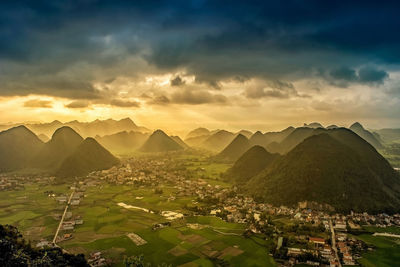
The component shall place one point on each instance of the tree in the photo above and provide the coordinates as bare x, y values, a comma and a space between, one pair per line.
134, 261
16, 251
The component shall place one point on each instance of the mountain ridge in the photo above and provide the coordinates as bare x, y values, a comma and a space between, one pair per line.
326, 170
159, 141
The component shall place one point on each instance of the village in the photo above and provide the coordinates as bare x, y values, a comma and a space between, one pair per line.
304, 234
336, 249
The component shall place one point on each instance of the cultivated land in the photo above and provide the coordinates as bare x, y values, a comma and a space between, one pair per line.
196, 240
106, 225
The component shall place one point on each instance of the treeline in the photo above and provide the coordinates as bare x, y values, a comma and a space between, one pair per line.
16, 251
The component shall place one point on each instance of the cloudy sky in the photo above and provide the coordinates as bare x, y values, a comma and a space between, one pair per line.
177, 65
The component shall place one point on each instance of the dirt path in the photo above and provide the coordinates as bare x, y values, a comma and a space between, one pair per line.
63, 216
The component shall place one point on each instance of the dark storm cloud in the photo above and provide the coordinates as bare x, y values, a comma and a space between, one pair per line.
159, 100
213, 40
78, 104
344, 73
372, 75
177, 81
194, 97
124, 103
113, 102
187, 96
365, 75
275, 89
36, 103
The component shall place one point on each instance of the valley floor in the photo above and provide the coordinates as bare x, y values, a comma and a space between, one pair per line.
168, 217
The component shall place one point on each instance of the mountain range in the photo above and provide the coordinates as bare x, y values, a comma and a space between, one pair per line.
85, 129
251, 163
239, 145
63, 143
281, 142
297, 135
64, 154
18, 145
123, 142
366, 135
87, 157
161, 142
335, 167
217, 141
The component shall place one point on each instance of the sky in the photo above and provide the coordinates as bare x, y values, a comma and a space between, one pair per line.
178, 65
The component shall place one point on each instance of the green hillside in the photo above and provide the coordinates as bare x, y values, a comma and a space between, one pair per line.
63, 142
251, 163
17, 147
366, 135
293, 139
89, 156
235, 149
326, 170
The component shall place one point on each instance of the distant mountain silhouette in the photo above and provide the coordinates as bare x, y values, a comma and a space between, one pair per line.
245, 133
251, 163
63, 142
335, 167
366, 135
196, 141
92, 129
278, 136
179, 141
123, 142
259, 139
197, 132
333, 126
21, 149
217, 141
293, 139
17, 147
389, 135
301, 133
89, 156
160, 142
235, 149
313, 125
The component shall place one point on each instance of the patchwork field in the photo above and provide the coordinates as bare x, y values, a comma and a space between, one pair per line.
32, 210
207, 168
385, 254
193, 241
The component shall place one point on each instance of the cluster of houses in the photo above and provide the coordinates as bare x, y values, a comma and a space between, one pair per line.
139, 172
231, 206
10, 184
70, 220
17, 182
96, 260
380, 220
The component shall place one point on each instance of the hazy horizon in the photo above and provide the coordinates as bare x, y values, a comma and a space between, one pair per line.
184, 131
179, 66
